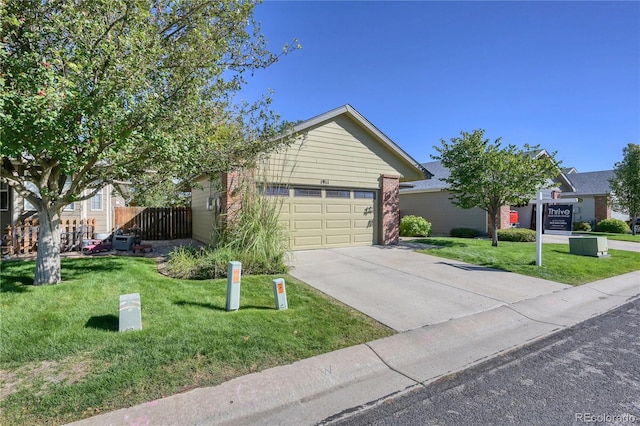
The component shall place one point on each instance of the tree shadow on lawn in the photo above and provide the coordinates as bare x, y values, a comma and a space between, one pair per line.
435, 244
218, 308
104, 322
73, 269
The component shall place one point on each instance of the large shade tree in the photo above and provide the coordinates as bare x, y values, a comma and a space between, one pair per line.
489, 176
625, 184
98, 91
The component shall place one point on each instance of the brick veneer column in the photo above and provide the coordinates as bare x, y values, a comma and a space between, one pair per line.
230, 203
390, 209
602, 209
504, 219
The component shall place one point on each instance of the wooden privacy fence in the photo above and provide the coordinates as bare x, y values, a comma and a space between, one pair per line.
156, 223
22, 238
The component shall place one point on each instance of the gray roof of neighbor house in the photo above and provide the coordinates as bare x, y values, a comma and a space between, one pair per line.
441, 172
438, 171
590, 183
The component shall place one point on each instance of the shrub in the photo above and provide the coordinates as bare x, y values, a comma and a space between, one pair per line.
615, 226
464, 233
582, 226
521, 235
414, 226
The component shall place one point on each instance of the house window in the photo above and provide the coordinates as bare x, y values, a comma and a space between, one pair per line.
69, 207
364, 194
307, 192
4, 197
282, 191
338, 193
96, 201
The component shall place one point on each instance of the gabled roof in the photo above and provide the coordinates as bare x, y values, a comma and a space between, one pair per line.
590, 183
359, 118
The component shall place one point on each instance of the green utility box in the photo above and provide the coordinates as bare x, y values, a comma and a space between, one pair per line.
589, 246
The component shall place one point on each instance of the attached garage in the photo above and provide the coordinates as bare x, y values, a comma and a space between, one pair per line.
326, 217
338, 182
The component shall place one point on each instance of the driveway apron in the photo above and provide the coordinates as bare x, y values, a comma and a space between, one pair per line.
406, 290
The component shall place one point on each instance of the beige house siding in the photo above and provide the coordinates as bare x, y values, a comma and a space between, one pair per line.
443, 215
203, 218
338, 153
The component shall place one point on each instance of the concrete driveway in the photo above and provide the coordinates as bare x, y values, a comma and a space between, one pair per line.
406, 290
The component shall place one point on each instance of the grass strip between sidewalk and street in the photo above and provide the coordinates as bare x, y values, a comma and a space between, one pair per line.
557, 263
63, 359
610, 236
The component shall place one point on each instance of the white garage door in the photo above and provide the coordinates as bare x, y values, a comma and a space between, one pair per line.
322, 218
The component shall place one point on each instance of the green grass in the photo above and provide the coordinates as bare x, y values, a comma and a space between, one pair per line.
557, 263
62, 359
610, 236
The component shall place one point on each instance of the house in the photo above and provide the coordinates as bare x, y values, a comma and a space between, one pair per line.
338, 183
101, 207
430, 199
592, 189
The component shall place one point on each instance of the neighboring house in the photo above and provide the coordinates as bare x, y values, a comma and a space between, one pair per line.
338, 182
430, 199
14, 208
592, 189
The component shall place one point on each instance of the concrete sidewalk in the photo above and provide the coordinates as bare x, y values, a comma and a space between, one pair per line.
492, 312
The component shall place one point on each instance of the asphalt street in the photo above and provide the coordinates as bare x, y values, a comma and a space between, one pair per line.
586, 374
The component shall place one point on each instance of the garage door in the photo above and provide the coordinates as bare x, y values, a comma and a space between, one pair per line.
322, 218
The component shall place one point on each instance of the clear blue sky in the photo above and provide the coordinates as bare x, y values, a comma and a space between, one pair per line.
565, 75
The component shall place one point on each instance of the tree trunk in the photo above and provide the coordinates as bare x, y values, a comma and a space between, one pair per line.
48, 255
494, 226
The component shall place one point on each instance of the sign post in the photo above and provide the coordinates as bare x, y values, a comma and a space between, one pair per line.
540, 202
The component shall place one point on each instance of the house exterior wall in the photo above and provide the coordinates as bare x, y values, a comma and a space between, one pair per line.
79, 210
338, 153
443, 215
204, 206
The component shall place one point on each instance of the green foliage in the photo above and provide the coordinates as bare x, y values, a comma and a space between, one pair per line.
414, 226
488, 176
101, 92
582, 226
625, 185
254, 230
208, 263
520, 235
464, 233
615, 226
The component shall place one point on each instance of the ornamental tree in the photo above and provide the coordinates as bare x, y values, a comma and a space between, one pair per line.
96, 92
625, 184
488, 176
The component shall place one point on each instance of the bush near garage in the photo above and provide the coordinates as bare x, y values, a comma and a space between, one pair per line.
615, 226
464, 233
582, 226
518, 235
414, 226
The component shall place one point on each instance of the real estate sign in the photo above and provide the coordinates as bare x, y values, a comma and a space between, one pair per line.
558, 218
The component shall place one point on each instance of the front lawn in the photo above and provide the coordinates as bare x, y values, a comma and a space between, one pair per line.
62, 358
557, 263
610, 236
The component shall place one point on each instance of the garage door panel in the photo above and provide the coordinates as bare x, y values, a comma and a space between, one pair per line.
362, 238
307, 224
307, 208
338, 208
363, 224
338, 224
302, 242
338, 239
363, 209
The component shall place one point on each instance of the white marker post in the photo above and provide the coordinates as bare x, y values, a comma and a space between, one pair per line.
539, 202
